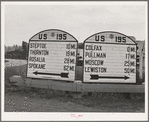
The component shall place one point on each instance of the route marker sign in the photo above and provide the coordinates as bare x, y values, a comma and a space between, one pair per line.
109, 57
52, 55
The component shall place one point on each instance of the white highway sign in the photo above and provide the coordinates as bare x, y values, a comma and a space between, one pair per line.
52, 55
109, 57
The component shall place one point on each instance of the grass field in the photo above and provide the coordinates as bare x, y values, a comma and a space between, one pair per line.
40, 100
46, 100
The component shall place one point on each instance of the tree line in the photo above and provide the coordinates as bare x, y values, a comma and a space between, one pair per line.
17, 52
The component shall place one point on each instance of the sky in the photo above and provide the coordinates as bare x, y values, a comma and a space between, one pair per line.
22, 21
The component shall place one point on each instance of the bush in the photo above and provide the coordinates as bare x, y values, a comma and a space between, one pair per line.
138, 79
16, 70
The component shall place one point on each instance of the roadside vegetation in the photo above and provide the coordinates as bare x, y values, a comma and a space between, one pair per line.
17, 52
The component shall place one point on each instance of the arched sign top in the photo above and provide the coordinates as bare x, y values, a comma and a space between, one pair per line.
53, 35
110, 37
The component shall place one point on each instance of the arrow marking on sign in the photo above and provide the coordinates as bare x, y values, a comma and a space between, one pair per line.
65, 75
96, 77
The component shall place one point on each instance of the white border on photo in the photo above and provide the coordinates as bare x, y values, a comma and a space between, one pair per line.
67, 116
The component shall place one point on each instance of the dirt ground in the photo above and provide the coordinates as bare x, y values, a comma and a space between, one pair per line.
37, 100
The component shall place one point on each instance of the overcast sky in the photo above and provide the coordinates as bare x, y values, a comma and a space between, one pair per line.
81, 20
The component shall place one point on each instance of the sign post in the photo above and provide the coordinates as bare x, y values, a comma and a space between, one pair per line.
109, 57
52, 55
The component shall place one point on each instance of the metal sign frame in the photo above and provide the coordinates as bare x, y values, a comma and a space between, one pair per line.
54, 41
108, 43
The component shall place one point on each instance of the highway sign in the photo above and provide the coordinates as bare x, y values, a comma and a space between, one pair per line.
52, 55
109, 57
